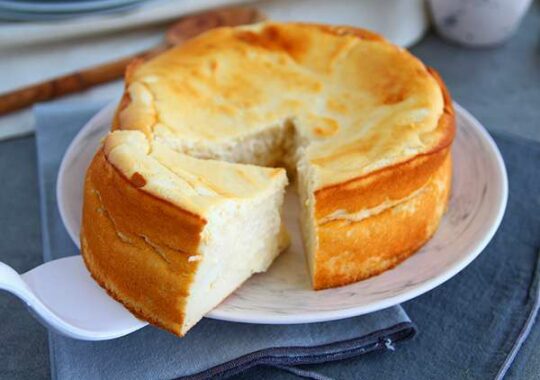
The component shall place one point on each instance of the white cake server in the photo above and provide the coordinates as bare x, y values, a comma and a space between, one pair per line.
63, 295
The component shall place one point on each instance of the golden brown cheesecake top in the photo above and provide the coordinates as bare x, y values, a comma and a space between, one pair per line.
194, 184
357, 104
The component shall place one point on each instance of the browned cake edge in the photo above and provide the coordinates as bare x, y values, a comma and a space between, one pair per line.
353, 251
344, 247
137, 246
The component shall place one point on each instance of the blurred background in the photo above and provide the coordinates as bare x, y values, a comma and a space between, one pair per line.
40, 40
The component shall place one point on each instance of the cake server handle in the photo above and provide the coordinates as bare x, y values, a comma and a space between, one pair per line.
12, 282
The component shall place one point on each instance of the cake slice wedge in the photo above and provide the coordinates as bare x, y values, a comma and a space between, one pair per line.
170, 236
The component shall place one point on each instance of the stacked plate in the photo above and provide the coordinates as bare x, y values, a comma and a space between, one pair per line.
36, 10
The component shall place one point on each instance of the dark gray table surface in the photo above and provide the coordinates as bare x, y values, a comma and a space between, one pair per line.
501, 87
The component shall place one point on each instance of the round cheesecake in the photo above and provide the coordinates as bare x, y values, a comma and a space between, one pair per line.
183, 200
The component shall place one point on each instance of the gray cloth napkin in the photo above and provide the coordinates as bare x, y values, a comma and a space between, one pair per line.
212, 348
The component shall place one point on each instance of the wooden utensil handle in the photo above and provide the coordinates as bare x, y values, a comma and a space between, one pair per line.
70, 83
186, 28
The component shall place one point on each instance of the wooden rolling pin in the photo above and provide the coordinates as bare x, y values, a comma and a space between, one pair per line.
184, 29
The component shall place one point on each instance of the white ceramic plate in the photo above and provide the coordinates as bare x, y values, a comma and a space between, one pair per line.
284, 295
62, 6
11, 10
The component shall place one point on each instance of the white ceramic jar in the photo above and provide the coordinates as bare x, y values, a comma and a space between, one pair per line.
404, 22
478, 23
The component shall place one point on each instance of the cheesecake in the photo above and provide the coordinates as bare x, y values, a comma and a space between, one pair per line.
182, 201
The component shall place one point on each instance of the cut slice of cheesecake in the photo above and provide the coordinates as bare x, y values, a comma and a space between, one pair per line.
169, 235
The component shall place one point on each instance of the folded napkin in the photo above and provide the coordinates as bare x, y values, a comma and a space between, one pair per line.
212, 348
